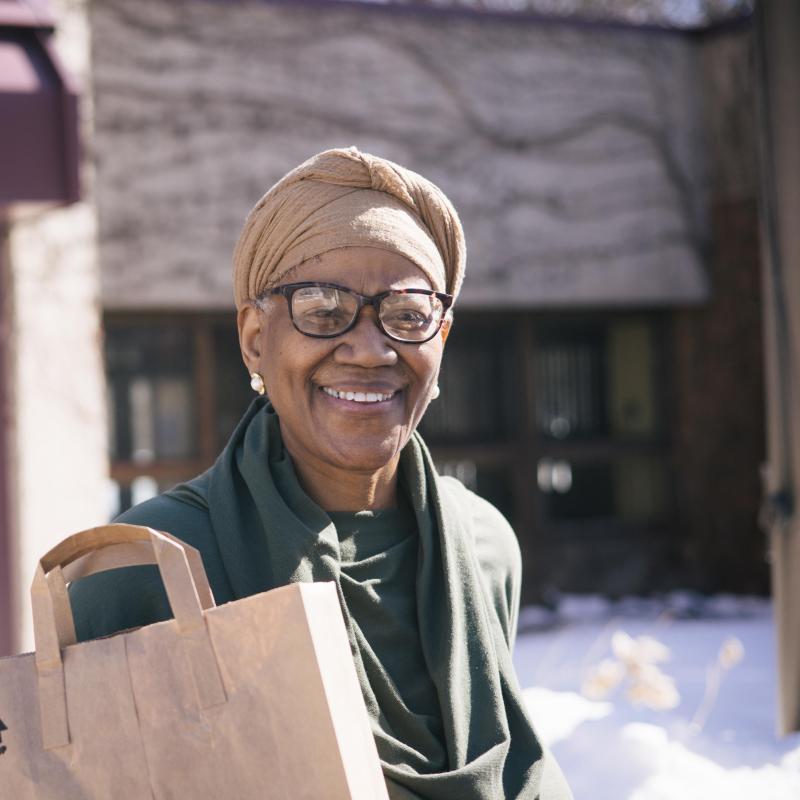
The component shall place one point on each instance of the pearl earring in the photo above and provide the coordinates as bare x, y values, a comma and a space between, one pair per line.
257, 383
436, 392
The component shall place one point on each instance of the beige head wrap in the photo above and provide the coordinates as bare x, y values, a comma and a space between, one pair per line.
345, 198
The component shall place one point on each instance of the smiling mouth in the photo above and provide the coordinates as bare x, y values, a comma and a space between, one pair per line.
359, 397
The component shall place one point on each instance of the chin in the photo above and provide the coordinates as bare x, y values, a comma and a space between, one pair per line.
367, 456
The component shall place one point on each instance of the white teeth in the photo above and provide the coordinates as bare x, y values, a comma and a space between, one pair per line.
358, 397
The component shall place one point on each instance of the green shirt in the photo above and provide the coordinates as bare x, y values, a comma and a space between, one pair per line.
379, 575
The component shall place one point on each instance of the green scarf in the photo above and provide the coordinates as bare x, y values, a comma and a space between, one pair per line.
269, 534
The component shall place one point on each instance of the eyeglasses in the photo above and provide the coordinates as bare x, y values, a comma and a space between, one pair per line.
325, 310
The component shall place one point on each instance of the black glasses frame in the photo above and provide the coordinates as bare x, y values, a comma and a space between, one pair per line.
375, 300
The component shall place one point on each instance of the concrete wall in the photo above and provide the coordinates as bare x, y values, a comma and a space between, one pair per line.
573, 154
59, 463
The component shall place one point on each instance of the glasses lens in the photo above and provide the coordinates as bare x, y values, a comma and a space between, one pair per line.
323, 310
411, 317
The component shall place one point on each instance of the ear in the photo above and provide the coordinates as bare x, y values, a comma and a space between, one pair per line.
249, 321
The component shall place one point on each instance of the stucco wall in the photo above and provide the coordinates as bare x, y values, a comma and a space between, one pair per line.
58, 439
573, 154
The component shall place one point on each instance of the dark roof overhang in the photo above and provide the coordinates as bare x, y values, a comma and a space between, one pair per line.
38, 110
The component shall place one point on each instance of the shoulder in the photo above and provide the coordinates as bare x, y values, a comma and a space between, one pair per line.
497, 552
112, 601
496, 544
181, 511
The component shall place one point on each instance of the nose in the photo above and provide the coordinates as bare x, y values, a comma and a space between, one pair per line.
365, 345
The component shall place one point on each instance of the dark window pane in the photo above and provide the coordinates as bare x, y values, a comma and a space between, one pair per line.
232, 392
578, 491
641, 487
569, 371
172, 420
628, 488
492, 482
151, 392
631, 397
596, 380
478, 381
145, 347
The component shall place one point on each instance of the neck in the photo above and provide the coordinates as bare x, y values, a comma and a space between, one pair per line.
336, 489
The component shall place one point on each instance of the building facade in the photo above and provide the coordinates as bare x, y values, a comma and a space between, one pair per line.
602, 383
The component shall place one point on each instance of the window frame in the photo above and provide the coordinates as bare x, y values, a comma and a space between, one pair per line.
201, 326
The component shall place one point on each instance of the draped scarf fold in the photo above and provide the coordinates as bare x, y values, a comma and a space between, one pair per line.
267, 539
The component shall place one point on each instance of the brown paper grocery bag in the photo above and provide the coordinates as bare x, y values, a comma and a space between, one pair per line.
257, 698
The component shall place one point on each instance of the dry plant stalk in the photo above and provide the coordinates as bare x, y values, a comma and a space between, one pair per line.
730, 654
636, 660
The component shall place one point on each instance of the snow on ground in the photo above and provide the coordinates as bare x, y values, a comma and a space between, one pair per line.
610, 749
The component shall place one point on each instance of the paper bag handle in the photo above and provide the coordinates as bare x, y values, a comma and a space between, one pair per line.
120, 545
97, 550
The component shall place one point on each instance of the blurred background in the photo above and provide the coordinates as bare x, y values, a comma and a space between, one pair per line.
604, 384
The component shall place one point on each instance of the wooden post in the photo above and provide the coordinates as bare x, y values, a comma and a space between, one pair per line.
779, 106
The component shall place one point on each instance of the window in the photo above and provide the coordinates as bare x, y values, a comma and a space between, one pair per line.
472, 428
177, 387
598, 421
556, 419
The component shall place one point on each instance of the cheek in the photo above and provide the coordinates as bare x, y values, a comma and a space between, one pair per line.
433, 360
426, 368
275, 349
288, 364
279, 373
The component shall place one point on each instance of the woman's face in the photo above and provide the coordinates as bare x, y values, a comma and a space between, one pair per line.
302, 374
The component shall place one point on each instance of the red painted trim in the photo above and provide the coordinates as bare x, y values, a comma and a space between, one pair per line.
69, 128
40, 149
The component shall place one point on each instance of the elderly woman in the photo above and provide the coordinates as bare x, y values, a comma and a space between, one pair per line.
344, 279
